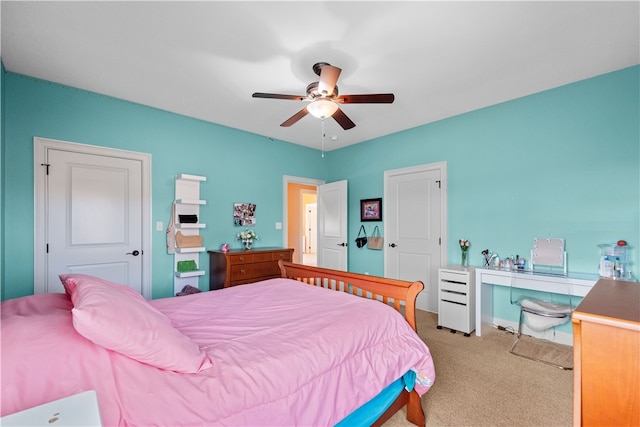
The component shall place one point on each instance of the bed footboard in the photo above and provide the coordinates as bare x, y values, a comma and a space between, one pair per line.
398, 293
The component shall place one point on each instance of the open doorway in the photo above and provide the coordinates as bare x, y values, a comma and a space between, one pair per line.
301, 225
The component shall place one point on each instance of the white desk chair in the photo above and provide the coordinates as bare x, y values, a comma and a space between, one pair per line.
540, 315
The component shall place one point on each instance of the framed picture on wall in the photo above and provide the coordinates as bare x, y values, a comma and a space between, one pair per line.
244, 214
371, 209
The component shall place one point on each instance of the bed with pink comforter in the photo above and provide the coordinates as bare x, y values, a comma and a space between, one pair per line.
277, 352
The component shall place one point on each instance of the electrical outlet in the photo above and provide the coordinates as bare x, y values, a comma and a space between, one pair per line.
278, 226
159, 226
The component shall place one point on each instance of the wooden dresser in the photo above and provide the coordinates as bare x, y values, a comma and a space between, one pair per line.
240, 266
606, 352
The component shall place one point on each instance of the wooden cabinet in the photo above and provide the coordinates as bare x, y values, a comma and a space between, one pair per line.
606, 352
456, 299
239, 266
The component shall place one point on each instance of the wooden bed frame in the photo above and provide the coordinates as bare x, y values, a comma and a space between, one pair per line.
398, 293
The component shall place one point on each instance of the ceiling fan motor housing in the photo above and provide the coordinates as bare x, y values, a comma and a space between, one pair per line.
317, 67
313, 93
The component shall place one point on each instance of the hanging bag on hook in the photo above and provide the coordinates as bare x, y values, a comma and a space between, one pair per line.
361, 241
376, 240
171, 231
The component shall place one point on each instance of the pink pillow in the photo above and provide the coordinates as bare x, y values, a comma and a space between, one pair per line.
120, 319
70, 281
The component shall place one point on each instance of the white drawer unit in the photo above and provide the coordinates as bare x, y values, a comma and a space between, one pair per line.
457, 299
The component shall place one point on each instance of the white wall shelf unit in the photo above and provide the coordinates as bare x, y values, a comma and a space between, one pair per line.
183, 274
188, 202
191, 202
190, 250
187, 177
189, 226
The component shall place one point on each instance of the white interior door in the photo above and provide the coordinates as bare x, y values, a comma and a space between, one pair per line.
311, 232
414, 229
332, 225
93, 221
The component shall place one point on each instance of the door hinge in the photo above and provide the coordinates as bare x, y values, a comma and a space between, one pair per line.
47, 166
440, 241
47, 248
438, 181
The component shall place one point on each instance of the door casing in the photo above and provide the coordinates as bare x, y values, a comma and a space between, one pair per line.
286, 180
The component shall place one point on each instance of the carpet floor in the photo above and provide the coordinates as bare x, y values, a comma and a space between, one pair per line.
479, 383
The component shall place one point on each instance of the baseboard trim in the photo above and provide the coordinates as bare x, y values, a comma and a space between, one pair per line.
558, 337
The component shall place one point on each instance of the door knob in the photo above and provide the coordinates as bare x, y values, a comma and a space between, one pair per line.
134, 253
392, 245
342, 244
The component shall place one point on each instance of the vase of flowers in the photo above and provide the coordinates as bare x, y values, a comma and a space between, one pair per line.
247, 237
464, 247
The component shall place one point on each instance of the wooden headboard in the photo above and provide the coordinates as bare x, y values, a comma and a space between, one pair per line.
397, 293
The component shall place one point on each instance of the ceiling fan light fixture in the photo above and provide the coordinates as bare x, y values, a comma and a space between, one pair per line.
322, 108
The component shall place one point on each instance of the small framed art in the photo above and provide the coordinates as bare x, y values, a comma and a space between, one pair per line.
244, 214
371, 209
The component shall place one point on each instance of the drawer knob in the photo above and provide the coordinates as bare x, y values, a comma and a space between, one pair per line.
243, 271
241, 258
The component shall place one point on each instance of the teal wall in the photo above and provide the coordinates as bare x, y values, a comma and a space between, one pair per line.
239, 166
583, 138
560, 163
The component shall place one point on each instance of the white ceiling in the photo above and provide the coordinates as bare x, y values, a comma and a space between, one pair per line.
205, 59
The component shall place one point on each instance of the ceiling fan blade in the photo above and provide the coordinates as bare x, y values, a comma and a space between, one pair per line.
297, 116
328, 79
343, 120
372, 98
279, 96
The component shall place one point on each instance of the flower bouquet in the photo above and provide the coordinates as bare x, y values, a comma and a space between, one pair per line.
464, 246
247, 237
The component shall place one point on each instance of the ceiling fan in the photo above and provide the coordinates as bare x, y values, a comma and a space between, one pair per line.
324, 99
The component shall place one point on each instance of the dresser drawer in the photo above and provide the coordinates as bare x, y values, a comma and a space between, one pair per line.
462, 288
255, 270
284, 256
453, 276
263, 257
454, 316
242, 258
454, 297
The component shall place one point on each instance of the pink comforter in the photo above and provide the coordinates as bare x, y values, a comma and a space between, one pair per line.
284, 353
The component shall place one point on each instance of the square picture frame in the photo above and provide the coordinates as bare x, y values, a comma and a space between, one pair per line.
244, 214
371, 209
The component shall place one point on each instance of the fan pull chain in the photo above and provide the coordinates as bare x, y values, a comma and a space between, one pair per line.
323, 135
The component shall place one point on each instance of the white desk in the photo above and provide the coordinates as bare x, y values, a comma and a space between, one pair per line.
578, 284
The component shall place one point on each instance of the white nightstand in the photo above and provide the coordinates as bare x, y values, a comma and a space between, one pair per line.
78, 410
457, 299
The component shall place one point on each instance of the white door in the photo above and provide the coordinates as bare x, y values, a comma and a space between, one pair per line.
93, 219
311, 233
414, 228
332, 225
